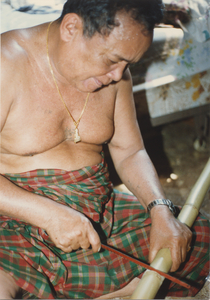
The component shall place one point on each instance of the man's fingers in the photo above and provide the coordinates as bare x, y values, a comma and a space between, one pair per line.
152, 253
178, 256
94, 240
85, 244
67, 249
184, 254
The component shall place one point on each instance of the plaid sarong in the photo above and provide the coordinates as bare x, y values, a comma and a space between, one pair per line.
45, 271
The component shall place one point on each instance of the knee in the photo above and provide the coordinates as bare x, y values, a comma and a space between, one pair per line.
8, 288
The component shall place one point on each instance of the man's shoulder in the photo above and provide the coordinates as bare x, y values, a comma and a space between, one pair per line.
12, 50
18, 47
13, 59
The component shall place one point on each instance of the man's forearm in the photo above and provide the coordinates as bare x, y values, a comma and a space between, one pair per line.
16, 202
139, 175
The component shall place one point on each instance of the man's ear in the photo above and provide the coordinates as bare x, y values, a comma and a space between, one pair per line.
70, 25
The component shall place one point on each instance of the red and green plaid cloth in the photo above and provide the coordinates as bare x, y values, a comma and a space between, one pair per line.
45, 271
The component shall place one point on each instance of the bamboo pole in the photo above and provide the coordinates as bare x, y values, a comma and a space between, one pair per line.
151, 281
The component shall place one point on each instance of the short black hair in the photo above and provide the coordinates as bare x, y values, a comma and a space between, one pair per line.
99, 15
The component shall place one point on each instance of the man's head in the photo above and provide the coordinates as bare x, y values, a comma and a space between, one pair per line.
98, 39
99, 16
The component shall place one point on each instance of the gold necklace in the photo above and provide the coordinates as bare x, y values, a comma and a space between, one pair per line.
77, 137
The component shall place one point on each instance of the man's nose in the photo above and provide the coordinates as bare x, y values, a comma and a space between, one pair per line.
117, 72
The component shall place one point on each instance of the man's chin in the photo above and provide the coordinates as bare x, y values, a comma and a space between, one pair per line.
104, 86
90, 88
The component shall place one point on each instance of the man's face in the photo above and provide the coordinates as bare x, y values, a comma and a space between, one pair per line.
100, 60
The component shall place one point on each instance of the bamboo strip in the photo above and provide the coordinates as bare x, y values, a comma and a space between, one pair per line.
194, 201
151, 281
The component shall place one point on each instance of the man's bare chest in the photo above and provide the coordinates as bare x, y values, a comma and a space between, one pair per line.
38, 120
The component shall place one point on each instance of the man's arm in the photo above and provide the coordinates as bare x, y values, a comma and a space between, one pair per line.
138, 173
67, 228
7, 86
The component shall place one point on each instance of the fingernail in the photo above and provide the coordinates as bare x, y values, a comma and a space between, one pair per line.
99, 249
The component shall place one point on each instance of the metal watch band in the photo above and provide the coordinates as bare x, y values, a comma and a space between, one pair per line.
162, 202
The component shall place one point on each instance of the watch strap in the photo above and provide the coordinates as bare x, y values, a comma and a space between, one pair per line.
166, 202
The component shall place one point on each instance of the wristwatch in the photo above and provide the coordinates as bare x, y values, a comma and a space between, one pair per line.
167, 202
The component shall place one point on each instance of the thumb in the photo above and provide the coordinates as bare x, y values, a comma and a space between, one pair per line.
152, 253
94, 239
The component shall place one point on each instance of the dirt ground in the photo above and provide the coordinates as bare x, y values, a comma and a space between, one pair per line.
178, 164
182, 164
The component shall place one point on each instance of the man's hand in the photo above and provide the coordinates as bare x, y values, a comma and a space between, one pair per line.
168, 232
70, 230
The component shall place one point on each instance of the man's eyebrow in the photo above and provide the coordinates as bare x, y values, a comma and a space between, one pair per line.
122, 58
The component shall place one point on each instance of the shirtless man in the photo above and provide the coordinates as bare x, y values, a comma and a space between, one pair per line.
37, 131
